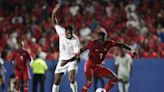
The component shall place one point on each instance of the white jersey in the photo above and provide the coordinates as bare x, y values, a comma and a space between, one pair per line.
124, 66
67, 47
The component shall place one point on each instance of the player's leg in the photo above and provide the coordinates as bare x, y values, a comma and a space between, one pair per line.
126, 86
87, 84
72, 71
59, 72
120, 86
88, 75
2, 83
25, 86
18, 78
17, 85
113, 79
26, 77
56, 85
71, 77
95, 78
104, 72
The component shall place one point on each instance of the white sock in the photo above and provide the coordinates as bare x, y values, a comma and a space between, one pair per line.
126, 87
55, 88
120, 86
74, 86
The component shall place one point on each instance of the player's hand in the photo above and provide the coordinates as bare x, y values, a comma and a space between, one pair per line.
135, 54
56, 8
64, 62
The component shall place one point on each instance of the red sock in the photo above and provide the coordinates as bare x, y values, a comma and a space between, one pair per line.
85, 88
25, 88
110, 84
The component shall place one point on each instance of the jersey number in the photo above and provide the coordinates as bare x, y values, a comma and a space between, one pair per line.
101, 55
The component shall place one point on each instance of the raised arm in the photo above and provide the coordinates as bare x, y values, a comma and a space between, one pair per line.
53, 16
126, 47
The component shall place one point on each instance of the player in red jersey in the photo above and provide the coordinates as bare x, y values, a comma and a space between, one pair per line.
97, 53
21, 59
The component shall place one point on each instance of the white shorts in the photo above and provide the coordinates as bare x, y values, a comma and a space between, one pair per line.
123, 76
68, 67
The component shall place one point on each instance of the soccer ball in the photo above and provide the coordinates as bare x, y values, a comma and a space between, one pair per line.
100, 90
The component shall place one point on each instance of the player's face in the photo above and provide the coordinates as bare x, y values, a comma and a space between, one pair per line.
101, 38
69, 34
21, 45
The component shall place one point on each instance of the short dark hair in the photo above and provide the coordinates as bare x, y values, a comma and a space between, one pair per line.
69, 28
102, 34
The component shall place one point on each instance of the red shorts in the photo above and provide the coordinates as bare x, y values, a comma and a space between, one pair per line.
99, 70
22, 74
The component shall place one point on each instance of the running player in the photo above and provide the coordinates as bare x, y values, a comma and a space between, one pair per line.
69, 48
21, 59
98, 50
123, 62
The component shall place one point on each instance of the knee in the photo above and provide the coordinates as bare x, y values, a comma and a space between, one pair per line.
57, 80
87, 85
115, 79
71, 79
26, 83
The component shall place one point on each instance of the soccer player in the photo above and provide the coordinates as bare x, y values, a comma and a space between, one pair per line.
69, 48
123, 62
98, 50
21, 59
2, 74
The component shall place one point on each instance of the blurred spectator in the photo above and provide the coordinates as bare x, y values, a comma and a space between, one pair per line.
123, 62
39, 68
32, 19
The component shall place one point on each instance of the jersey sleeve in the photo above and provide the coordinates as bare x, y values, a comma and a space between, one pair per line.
90, 44
76, 46
59, 29
129, 59
28, 57
113, 43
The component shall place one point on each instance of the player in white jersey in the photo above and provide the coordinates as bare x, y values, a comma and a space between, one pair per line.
69, 48
123, 62
2, 74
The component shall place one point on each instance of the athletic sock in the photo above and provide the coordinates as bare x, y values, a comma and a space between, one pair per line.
25, 88
110, 84
86, 87
55, 88
73, 86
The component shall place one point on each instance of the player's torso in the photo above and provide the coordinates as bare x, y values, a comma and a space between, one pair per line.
123, 63
20, 58
66, 47
98, 52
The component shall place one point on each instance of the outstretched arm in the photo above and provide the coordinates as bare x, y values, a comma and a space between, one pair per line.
76, 57
83, 49
126, 47
53, 17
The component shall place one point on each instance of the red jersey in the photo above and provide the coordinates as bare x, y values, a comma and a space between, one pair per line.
98, 51
21, 58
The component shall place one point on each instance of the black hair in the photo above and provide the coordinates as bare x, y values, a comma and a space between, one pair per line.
70, 28
102, 34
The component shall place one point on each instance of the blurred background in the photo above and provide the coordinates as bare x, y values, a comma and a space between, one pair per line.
137, 23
